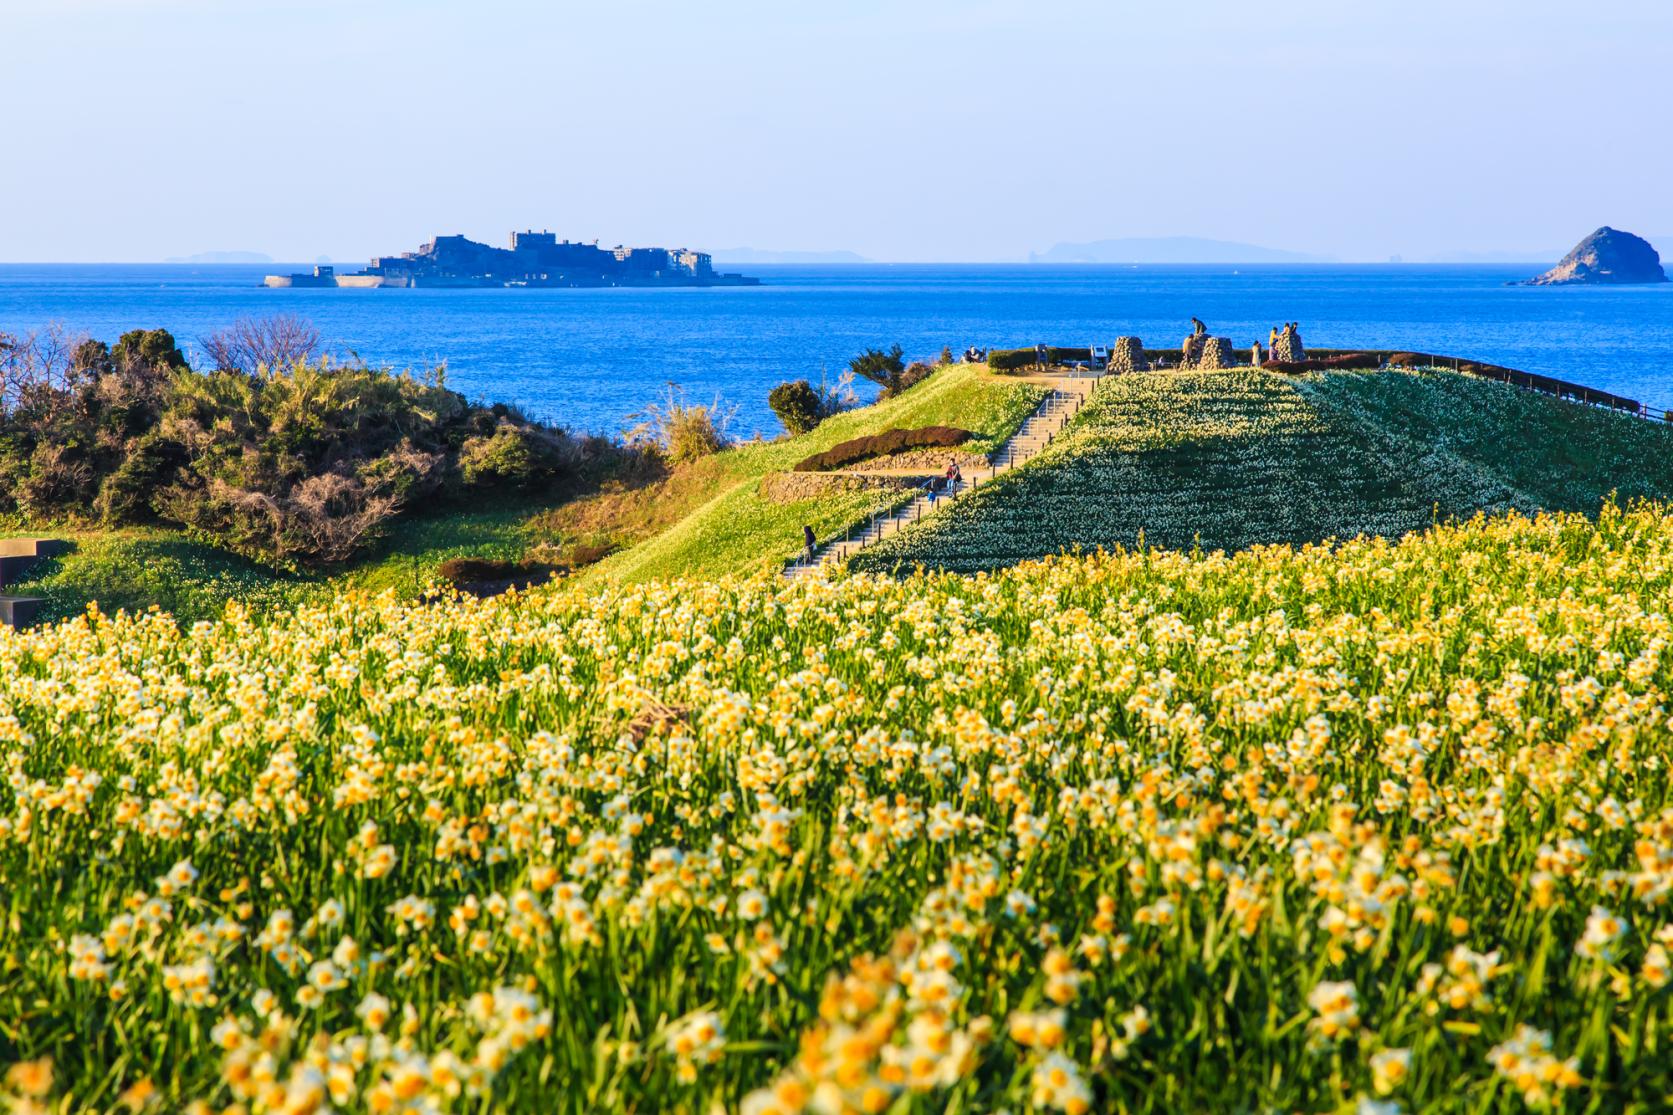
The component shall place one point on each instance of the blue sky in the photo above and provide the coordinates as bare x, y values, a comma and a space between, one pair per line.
140, 129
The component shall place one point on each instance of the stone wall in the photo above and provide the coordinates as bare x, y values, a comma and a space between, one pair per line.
1127, 355
930, 461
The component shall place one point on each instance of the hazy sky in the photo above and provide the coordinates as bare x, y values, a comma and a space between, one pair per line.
903, 130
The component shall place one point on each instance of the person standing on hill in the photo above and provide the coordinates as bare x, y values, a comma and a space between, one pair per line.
809, 542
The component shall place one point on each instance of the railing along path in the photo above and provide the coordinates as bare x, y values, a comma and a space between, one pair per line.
1035, 433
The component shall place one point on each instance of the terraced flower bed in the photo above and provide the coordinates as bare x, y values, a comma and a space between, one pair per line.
1227, 460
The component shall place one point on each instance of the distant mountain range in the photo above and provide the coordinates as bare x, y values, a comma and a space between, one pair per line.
1169, 249
222, 257
763, 255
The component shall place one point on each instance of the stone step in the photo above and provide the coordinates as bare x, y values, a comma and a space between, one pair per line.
33, 547
19, 611
1034, 434
18, 555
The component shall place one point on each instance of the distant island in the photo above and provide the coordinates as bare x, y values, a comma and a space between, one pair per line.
1606, 256
1168, 249
534, 259
764, 255
222, 257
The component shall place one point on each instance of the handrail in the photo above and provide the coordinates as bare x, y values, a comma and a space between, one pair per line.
1541, 384
1059, 404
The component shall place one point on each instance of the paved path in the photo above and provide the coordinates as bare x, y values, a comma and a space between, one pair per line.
1067, 395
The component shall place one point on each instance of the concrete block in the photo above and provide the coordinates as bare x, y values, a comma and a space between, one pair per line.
19, 611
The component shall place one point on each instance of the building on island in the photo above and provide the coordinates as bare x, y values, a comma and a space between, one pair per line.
532, 259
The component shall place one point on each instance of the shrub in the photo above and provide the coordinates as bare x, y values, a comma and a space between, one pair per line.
1316, 364
250, 345
916, 372
58, 477
888, 370
695, 433
881, 368
879, 445
459, 570
517, 456
319, 519
797, 406
681, 430
149, 348
125, 495
1015, 359
407, 472
1010, 359
300, 464
485, 576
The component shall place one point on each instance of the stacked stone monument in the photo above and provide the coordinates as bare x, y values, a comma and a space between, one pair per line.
1127, 355
1216, 353
1287, 347
1202, 352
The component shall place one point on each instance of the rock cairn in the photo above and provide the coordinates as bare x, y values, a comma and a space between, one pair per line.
1200, 352
1127, 355
1216, 353
1286, 345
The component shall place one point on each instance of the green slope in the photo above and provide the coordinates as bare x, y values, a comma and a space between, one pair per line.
1227, 460
738, 530
720, 522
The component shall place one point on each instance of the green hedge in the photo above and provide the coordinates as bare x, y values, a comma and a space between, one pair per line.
1012, 359
1009, 359
879, 445
1316, 363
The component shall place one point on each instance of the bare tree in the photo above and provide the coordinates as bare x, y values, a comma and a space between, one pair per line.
250, 345
34, 360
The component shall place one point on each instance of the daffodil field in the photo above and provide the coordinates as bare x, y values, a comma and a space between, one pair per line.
1378, 827
1229, 459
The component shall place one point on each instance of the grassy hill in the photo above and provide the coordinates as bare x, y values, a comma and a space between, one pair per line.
726, 525
707, 516
1221, 460
1227, 460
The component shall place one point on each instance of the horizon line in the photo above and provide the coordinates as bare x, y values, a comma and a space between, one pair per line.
1384, 262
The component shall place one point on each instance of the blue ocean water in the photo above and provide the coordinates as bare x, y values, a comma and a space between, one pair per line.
589, 358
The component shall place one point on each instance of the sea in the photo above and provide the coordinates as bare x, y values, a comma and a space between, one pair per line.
591, 359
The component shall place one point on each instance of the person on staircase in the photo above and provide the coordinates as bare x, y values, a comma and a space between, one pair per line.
809, 542
953, 477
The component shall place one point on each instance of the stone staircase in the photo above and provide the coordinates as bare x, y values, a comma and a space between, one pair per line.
1067, 396
17, 555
